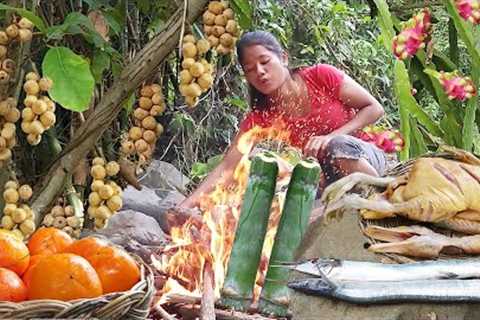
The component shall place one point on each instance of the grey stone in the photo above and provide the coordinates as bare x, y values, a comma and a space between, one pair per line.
344, 240
151, 202
161, 175
163, 187
134, 231
129, 225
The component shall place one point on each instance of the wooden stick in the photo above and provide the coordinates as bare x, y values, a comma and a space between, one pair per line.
174, 298
164, 314
207, 308
192, 311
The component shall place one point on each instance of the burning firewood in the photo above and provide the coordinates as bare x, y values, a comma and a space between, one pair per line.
207, 310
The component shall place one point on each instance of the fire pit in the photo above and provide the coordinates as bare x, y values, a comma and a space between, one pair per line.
193, 268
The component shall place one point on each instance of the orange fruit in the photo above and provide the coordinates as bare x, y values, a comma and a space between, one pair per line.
87, 246
117, 270
12, 287
14, 253
49, 241
28, 273
63, 276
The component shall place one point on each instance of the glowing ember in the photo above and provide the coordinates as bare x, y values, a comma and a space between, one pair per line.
211, 239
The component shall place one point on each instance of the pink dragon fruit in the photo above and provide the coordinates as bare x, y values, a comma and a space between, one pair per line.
387, 140
367, 134
456, 86
414, 35
469, 10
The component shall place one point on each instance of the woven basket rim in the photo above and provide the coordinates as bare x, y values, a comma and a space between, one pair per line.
132, 304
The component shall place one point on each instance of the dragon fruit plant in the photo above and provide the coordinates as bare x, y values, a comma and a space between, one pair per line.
414, 35
469, 10
450, 98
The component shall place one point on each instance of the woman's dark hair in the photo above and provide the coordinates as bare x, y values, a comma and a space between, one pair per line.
258, 101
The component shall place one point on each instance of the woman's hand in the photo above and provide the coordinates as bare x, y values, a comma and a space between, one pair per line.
316, 145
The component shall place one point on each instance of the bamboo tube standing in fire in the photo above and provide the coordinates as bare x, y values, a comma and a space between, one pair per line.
237, 292
275, 295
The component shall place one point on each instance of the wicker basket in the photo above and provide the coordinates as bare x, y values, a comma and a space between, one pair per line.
132, 304
398, 170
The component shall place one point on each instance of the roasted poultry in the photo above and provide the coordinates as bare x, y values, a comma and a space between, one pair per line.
442, 191
417, 241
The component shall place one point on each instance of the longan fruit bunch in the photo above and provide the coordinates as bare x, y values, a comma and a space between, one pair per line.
18, 216
22, 30
146, 130
9, 114
105, 198
63, 217
7, 68
39, 112
220, 26
197, 74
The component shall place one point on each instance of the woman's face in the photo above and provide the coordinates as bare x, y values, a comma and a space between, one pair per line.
263, 68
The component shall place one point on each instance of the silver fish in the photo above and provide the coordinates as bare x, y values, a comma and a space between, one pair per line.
397, 291
345, 270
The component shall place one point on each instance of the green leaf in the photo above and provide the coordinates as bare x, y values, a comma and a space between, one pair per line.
244, 12
440, 96
77, 23
476, 140
469, 119
237, 102
408, 107
144, 6
128, 103
199, 170
182, 122
100, 63
117, 68
73, 82
113, 21
36, 20
405, 99
386, 23
418, 146
465, 33
453, 41
443, 62
468, 123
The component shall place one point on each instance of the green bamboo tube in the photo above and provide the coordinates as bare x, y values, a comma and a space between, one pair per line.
237, 291
302, 189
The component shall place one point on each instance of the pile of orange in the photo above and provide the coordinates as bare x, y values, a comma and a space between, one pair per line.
54, 266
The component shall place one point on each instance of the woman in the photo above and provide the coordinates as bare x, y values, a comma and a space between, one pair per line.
321, 106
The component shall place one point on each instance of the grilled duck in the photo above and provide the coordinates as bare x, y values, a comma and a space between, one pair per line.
442, 191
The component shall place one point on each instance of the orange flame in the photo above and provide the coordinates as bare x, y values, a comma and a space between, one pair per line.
211, 239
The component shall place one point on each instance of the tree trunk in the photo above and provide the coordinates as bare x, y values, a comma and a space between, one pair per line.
145, 64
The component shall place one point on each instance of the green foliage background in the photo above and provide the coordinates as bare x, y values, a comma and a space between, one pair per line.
312, 31
347, 34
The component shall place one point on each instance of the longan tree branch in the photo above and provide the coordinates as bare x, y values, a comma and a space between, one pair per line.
144, 65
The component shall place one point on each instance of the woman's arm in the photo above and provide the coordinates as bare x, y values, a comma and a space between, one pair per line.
224, 170
354, 96
369, 110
